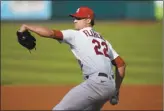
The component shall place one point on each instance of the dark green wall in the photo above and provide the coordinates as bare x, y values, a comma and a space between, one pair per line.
106, 9
140, 10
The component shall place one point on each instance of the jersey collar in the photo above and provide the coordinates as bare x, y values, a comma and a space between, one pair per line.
86, 28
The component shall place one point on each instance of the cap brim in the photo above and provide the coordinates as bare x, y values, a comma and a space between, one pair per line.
76, 15
71, 15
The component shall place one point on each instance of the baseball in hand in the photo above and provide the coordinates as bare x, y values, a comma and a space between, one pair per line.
115, 98
114, 101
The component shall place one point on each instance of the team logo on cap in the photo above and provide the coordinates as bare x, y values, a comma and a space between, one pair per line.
77, 10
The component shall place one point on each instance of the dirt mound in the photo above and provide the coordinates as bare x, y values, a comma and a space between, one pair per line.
46, 97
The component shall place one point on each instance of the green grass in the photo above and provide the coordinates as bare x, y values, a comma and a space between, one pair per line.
53, 63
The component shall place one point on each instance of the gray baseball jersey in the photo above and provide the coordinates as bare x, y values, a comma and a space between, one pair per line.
94, 55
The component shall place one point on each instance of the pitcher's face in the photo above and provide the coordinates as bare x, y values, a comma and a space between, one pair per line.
80, 23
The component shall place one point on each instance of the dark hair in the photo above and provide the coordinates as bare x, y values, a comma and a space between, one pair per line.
92, 22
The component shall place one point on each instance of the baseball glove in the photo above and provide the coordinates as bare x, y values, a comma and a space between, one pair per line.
26, 40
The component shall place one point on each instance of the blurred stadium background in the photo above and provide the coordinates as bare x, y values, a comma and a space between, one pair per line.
134, 28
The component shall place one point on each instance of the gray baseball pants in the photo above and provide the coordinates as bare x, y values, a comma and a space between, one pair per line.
91, 94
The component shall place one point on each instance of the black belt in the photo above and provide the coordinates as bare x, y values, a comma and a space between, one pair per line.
102, 74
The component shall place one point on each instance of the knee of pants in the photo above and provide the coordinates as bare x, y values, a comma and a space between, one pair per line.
57, 107
63, 107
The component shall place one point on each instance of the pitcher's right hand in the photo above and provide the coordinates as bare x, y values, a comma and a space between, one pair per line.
115, 98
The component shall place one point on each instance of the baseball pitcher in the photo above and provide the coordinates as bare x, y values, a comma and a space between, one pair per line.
96, 58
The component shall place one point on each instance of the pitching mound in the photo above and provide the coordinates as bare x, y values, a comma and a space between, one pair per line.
46, 97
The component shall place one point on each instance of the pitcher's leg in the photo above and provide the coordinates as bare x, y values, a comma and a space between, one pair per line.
96, 106
104, 89
76, 99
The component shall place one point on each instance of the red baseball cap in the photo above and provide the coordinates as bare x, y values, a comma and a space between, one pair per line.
83, 12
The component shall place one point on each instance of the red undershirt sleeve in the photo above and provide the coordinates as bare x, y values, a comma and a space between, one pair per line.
118, 62
58, 34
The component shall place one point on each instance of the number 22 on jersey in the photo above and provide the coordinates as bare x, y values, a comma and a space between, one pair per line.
98, 46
